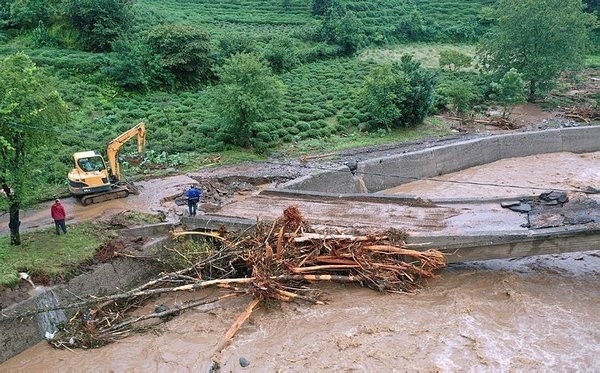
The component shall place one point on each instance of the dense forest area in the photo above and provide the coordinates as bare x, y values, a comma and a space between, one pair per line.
252, 77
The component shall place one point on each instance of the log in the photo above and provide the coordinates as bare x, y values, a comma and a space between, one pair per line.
333, 260
394, 250
346, 237
236, 325
291, 295
189, 233
280, 244
325, 267
171, 311
337, 278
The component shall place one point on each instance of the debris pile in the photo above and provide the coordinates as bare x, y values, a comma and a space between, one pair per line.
582, 113
277, 261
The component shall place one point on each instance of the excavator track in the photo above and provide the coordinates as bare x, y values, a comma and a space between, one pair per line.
120, 191
102, 197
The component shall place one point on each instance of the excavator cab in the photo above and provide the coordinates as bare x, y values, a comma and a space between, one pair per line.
89, 174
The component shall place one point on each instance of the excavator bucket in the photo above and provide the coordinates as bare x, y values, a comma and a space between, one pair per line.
131, 187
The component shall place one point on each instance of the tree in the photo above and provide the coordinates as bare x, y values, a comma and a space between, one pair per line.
30, 111
382, 90
454, 60
100, 22
320, 7
234, 43
509, 91
248, 93
282, 53
419, 99
540, 39
183, 50
27, 14
399, 94
343, 28
412, 26
592, 5
458, 93
127, 65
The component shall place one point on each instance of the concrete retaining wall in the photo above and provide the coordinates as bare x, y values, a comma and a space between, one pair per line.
17, 335
384, 173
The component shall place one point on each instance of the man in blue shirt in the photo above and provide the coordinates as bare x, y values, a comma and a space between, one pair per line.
193, 197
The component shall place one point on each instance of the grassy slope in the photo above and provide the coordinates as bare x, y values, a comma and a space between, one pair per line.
43, 253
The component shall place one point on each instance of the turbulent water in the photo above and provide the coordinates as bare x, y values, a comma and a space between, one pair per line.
528, 314
538, 313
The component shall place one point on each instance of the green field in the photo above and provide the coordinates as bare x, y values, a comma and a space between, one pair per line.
320, 97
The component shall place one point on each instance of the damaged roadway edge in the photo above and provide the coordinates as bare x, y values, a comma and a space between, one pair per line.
459, 248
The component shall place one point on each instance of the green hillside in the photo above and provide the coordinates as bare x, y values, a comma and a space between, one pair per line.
322, 80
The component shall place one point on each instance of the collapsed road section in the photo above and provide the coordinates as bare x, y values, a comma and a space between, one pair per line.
466, 228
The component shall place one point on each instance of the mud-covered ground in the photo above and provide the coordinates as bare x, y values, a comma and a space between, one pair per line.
225, 184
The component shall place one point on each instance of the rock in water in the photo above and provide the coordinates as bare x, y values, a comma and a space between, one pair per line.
244, 362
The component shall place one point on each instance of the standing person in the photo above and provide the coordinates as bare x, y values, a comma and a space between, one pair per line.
58, 214
193, 197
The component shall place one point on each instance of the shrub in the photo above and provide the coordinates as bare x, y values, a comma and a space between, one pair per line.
353, 121
454, 60
282, 54
27, 14
458, 93
302, 126
249, 93
321, 7
127, 65
183, 50
399, 94
293, 130
236, 43
99, 22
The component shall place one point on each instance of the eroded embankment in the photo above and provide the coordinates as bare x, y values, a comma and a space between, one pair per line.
18, 334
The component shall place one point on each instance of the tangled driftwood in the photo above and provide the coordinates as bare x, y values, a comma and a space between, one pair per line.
275, 261
582, 113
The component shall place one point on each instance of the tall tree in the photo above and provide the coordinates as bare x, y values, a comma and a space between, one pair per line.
382, 89
540, 39
100, 22
30, 112
248, 93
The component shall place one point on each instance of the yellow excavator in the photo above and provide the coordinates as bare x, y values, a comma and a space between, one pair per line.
92, 182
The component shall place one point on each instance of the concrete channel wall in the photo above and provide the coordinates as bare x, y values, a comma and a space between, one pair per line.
19, 334
384, 173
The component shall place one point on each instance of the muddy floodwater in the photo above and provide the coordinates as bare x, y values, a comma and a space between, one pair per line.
512, 177
525, 314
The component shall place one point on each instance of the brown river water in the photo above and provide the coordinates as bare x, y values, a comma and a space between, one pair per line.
524, 314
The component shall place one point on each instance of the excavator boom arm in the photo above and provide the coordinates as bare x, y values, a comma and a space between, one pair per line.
112, 150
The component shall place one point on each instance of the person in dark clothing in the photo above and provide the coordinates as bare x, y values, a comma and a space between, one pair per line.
58, 214
193, 197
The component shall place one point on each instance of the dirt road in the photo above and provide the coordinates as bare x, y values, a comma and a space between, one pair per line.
150, 200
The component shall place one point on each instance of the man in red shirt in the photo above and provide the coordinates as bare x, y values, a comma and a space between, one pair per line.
58, 214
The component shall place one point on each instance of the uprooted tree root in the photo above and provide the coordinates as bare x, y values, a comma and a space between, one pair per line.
275, 261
